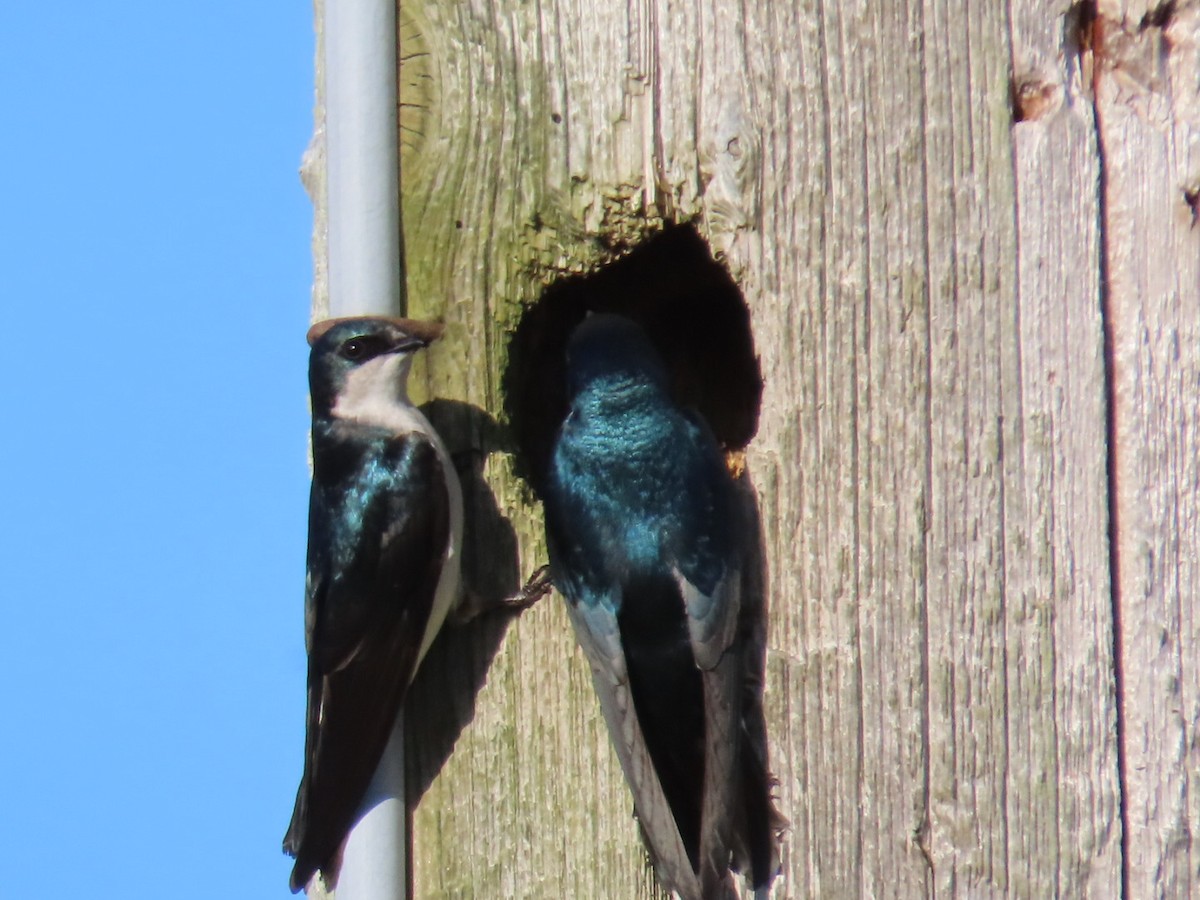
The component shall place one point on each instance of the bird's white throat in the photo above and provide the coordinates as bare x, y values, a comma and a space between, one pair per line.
376, 393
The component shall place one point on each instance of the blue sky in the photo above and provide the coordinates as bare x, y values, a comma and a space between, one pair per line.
154, 284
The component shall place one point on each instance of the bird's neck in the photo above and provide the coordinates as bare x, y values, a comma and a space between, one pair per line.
620, 397
376, 394
626, 414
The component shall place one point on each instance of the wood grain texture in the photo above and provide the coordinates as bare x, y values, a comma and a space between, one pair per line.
920, 209
1058, 576
1148, 102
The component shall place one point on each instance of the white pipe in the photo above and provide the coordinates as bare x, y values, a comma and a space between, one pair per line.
363, 205
362, 159
376, 851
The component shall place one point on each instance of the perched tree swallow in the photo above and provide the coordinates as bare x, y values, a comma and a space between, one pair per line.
384, 536
647, 534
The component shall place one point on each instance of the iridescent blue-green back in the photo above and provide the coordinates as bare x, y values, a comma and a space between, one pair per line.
637, 483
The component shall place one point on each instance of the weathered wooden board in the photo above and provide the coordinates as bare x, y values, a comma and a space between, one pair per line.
1148, 103
1065, 750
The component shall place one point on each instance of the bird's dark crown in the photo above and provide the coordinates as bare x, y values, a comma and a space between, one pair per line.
612, 351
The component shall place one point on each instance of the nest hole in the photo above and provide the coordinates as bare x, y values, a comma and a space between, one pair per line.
691, 309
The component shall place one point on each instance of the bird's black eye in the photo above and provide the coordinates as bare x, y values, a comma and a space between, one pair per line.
362, 348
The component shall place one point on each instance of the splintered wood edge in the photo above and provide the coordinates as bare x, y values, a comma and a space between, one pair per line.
426, 331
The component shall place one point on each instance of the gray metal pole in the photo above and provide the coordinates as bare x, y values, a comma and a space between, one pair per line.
362, 158
365, 278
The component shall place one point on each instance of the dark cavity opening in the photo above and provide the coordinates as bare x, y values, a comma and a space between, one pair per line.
690, 308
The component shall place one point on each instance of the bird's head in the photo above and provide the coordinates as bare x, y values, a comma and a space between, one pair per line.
364, 360
609, 352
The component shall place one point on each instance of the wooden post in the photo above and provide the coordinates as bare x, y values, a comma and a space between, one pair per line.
968, 248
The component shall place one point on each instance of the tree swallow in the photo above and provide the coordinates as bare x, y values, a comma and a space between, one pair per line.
384, 537
648, 536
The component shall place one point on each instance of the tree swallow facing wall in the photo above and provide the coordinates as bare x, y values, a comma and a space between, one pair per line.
384, 537
648, 539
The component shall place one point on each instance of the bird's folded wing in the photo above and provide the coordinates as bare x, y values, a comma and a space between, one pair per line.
366, 616
597, 632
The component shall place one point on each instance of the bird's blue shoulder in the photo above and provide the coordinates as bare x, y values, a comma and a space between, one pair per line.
366, 481
378, 518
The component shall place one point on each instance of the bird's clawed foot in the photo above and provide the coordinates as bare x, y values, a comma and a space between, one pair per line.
538, 586
472, 605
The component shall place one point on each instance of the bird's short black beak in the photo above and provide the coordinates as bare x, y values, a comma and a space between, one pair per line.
409, 342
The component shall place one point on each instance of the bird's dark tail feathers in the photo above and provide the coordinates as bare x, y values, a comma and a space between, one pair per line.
758, 826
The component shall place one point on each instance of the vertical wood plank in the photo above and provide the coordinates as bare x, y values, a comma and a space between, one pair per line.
800, 263
1057, 565
972, 337
1148, 100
